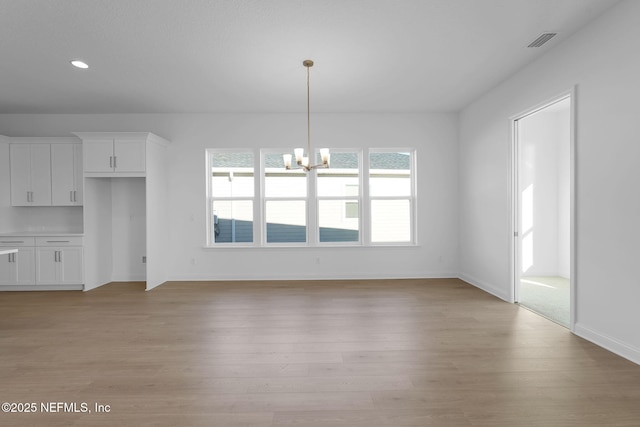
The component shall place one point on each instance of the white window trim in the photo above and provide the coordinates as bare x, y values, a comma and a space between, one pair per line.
364, 200
210, 243
412, 197
359, 199
264, 199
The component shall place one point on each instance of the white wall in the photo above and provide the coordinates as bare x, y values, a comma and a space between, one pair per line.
128, 222
98, 260
544, 143
563, 133
602, 61
157, 201
433, 135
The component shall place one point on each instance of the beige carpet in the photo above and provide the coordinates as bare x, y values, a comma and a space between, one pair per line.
548, 296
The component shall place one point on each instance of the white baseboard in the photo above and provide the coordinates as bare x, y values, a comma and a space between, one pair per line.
613, 345
485, 287
140, 278
41, 288
353, 276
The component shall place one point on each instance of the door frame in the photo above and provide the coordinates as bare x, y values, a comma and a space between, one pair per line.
514, 252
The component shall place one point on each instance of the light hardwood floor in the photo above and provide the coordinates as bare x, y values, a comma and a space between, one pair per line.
385, 353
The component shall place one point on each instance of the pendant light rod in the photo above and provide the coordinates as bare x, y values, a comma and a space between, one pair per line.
308, 64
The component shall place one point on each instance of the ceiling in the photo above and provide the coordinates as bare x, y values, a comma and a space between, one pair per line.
202, 56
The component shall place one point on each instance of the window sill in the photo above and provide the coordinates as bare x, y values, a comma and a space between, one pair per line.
308, 247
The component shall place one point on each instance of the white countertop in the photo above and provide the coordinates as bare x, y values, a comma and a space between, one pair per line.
41, 233
8, 251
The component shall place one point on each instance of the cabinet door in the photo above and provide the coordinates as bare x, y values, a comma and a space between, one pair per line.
78, 177
40, 174
71, 266
98, 155
66, 174
7, 270
130, 156
47, 266
20, 158
18, 268
63, 183
25, 265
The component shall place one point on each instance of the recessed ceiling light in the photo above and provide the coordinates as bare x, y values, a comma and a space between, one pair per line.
79, 64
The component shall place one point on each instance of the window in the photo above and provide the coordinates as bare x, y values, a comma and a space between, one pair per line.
391, 196
285, 201
253, 200
231, 196
338, 195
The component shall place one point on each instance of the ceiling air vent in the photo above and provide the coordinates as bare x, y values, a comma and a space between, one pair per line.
542, 39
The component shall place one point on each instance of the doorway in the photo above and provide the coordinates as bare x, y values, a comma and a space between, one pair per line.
543, 211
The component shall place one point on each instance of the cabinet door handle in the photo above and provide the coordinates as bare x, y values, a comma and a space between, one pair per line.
59, 256
115, 162
71, 196
74, 196
12, 241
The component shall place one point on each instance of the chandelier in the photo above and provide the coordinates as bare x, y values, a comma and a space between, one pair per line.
305, 161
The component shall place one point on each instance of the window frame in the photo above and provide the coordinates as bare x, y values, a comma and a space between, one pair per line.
210, 240
264, 199
343, 197
312, 201
412, 197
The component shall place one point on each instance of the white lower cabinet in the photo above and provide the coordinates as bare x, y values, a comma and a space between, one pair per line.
42, 261
18, 268
59, 265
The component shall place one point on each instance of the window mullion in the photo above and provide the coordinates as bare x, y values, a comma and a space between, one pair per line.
258, 195
313, 229
365, 202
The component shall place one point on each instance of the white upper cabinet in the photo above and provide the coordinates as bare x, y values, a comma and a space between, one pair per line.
114, 154
130, 156
30, 174
46, 171
66, 174
98, 156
